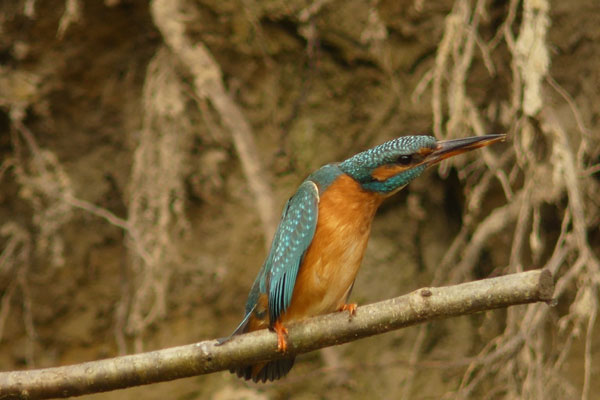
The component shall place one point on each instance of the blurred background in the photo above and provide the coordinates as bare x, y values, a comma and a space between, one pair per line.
147, 148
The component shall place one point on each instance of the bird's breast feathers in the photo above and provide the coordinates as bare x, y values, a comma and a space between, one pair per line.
332, 260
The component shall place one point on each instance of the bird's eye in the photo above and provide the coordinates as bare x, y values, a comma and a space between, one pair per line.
405, 159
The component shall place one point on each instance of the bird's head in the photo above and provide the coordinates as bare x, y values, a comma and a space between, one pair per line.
390, 166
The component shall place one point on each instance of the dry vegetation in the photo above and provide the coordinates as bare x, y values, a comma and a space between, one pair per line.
146, 150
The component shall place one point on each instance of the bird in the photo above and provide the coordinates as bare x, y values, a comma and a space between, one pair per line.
321, 239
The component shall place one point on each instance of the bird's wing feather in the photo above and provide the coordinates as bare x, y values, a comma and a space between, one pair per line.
293, 236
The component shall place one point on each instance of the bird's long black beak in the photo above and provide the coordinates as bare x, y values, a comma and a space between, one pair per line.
453, 147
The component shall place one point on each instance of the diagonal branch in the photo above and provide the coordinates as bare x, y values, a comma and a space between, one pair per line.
206, 357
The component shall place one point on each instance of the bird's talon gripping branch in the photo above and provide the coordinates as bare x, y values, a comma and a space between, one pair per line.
351, 308
281, 332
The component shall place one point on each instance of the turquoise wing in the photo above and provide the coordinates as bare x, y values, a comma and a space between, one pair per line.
294, 234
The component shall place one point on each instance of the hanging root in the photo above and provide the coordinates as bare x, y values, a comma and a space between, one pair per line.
521, 362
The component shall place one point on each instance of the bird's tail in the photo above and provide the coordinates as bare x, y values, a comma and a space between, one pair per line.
265, 371
261, 372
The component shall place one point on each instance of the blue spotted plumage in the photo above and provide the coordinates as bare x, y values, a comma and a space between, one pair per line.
295, 232
360, 166
322, 235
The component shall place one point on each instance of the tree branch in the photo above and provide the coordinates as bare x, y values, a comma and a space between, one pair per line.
206, 357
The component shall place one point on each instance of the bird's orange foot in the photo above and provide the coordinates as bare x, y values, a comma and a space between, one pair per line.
281, 332
351, 308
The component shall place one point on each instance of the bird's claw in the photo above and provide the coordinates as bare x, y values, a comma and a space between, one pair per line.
351, 308
281, 332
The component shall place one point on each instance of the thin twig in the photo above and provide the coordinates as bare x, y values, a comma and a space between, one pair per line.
98, 212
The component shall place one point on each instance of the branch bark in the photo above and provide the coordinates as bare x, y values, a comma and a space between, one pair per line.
206, 357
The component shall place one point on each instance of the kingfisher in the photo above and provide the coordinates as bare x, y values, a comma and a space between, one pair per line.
323, 233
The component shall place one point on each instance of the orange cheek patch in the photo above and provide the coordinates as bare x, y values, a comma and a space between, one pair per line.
425, 151
387, 171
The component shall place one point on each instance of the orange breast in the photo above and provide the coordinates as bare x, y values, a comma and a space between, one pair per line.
332, 260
